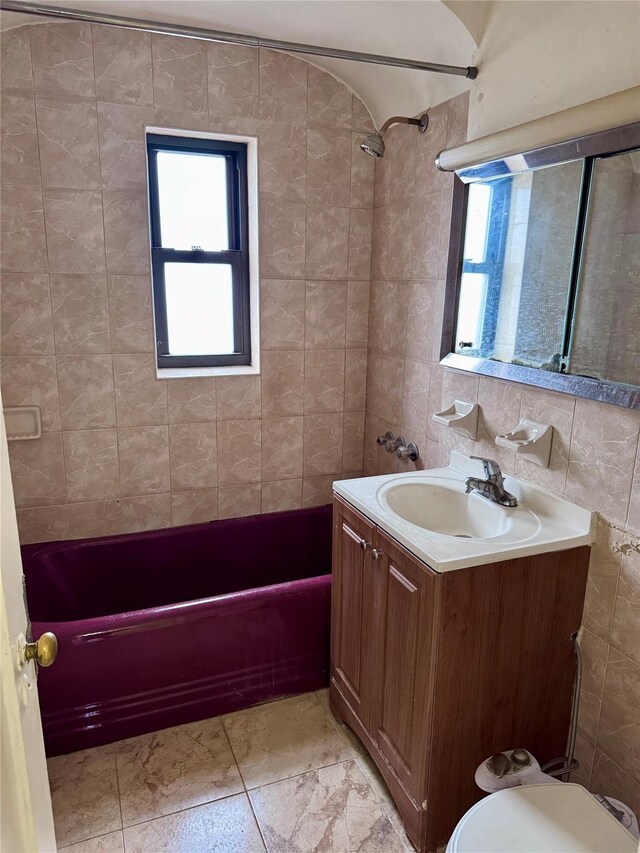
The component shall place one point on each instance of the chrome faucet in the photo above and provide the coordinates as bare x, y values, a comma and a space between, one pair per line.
492, 487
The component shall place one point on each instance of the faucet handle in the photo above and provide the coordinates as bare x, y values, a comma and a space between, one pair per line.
491, 467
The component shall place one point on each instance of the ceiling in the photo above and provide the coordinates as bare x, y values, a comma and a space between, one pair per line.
428, 30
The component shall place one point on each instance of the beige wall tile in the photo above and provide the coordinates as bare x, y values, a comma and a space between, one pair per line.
68, 141
324, 374
608, 777
122, 60
238, 397
15, 55
361, 120
126, 232
193, 456
388, 310
603, 449
422, 335
281, 495
43, 524
179, 73
604, 568
283, 87
148, 512
122, 145
282, 240
499, 412
322, 445
283, 161
362, 175
415, 396
37, 471
237, 501
191, 399
75, 238
282, 314
22, 230
19, 140
317, 491
353, 441
25, 320
62, 60
85, 386
360, 225
633, 517
141, 398
327, 242
95, 518
144, 460
194, 507
355, 380
239, 452
233, 80
594, 665
32, 381
402, 140
357, 328
130, 313
282, 383
625, 634
91, 464
234, 125
325, 314
425, 235
80, 313
619, 730
281, 448
329, 100
328, 167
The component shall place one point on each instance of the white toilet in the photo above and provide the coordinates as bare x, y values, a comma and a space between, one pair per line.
541, 818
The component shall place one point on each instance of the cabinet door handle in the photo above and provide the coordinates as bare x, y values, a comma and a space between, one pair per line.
363, 544
376, 554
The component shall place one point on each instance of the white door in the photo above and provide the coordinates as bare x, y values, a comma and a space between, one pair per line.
26, 821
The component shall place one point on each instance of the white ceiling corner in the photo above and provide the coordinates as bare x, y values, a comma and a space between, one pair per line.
428, 30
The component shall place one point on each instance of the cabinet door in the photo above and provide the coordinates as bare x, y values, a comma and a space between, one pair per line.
404, 617
351, 606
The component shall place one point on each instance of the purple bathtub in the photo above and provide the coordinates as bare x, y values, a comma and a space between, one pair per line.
161, 628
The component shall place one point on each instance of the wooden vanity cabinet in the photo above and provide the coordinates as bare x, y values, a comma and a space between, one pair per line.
436, 671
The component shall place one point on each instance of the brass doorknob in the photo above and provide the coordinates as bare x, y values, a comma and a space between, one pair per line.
44, 651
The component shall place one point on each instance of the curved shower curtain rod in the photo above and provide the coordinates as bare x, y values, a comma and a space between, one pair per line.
65, 14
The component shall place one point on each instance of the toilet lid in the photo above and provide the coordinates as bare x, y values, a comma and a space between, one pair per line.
545, 818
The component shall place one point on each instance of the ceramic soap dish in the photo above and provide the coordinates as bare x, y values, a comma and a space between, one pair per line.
530, 440
22, 422
461, 417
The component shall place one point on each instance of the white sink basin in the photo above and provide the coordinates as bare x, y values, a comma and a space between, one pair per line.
430, 514
447, 511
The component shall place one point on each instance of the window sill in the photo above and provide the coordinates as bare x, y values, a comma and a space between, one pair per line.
191, 372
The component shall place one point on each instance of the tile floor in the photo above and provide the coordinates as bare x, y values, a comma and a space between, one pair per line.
285, 777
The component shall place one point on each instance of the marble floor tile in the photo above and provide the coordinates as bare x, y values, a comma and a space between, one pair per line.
374, 778
175, 769
330, 810
344, 731
226, 826
84, 794
112, 842
282, 739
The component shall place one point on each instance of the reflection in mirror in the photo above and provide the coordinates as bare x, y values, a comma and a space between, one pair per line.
516, 273
606, 337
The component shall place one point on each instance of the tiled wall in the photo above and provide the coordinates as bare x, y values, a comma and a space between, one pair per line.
594, 458
122, 450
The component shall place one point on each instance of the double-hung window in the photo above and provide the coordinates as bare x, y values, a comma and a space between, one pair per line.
199, 251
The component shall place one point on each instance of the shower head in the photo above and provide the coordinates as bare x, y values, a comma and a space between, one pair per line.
373, 143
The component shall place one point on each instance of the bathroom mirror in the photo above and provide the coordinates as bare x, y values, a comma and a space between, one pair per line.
544, 268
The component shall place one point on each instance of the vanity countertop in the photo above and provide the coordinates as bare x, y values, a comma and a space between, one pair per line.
541, 523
